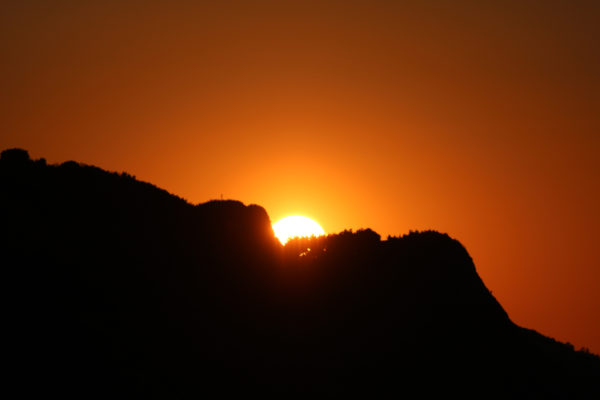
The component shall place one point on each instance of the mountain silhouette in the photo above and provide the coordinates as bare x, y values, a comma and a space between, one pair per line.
116, 286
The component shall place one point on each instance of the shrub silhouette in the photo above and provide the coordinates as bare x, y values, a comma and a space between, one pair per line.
18, 157
115, 285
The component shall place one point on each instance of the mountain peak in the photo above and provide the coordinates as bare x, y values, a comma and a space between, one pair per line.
146, 293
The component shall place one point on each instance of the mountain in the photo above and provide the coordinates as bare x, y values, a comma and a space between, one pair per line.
115, 286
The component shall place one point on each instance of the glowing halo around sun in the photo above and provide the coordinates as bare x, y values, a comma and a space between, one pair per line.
294, 226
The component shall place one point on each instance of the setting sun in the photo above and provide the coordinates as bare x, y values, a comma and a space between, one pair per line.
294, 226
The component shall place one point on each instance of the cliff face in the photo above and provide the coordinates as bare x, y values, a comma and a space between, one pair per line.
116, 285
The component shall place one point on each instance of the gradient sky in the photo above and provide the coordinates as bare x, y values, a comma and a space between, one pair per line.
476, 119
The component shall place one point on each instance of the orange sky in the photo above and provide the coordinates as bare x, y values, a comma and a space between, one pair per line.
479, 120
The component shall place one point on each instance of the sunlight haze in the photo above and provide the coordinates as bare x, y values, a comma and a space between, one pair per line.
476, 119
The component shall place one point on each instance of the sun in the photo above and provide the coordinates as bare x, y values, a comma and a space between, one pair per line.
296, 225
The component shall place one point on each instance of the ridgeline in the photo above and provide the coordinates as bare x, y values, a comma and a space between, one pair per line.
116, 286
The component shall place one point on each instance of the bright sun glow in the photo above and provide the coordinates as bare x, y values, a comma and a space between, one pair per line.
296, 225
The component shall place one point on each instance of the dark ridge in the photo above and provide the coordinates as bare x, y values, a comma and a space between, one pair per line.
116, 286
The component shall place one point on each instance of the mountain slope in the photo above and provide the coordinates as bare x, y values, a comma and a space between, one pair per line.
116, 285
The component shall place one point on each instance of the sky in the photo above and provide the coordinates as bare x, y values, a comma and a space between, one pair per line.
477, 119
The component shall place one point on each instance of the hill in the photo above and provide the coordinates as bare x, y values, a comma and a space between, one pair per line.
116, 286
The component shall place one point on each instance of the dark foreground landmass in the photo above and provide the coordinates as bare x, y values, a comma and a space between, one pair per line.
114, 286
